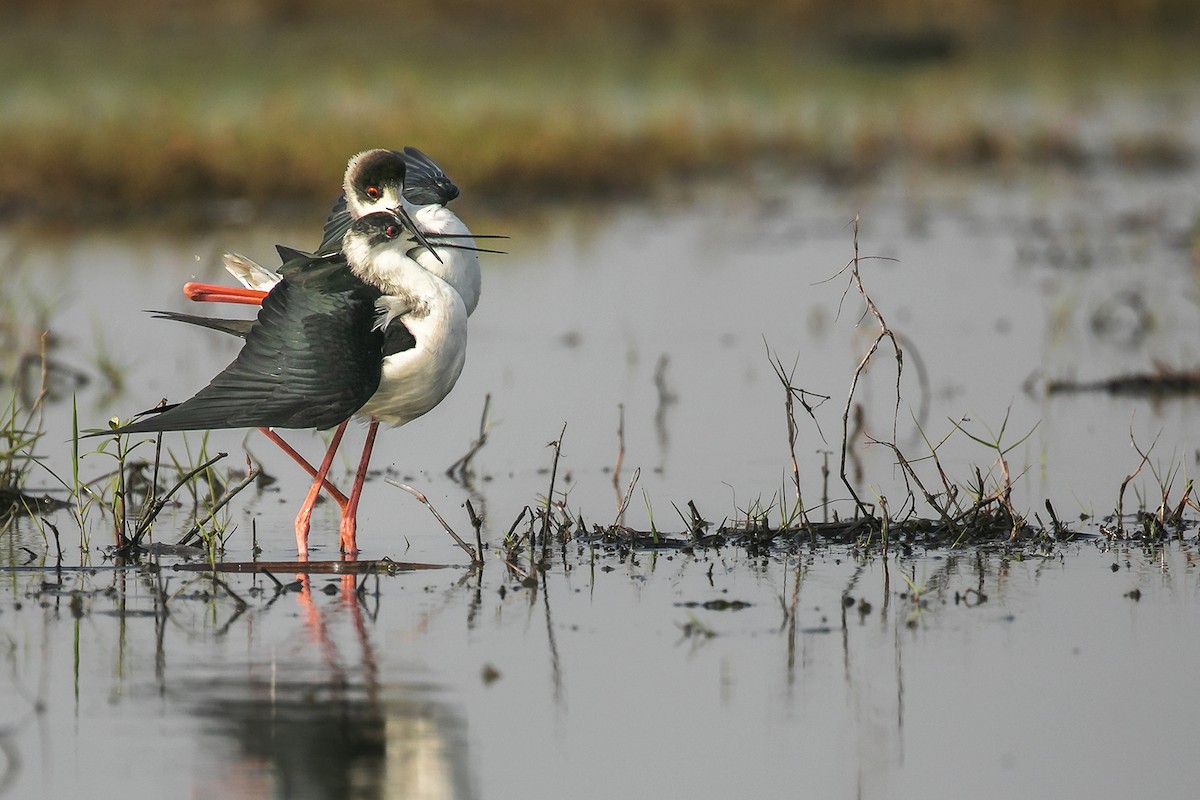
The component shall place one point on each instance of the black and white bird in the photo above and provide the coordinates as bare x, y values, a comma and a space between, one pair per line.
332, 330
373, 179
447, 249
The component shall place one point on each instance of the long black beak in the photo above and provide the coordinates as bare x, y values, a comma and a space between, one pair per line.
416, 232
469, 235
473, 249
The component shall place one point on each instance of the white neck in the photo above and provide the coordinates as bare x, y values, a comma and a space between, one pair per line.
389, 268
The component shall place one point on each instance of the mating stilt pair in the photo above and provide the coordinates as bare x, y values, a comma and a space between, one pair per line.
373, 325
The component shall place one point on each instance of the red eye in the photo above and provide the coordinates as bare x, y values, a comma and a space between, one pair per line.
392, 231
373, 192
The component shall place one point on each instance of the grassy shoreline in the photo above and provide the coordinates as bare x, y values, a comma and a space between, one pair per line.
173, 121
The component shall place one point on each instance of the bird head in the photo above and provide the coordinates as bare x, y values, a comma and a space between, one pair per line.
374, 182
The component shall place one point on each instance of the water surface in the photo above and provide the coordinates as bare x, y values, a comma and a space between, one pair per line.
838, 671
823, 672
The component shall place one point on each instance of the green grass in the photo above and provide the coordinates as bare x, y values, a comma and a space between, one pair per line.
126, 119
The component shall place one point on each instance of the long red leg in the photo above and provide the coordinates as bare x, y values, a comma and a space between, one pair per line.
215, 293
333, 491
304, 518
349, 523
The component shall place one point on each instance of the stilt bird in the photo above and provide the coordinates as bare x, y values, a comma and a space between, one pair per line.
329, 331
371, 180
449, 250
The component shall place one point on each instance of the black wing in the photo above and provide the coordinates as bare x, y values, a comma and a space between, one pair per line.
287, 254
397, 338
336, 225
425, 183
311, 359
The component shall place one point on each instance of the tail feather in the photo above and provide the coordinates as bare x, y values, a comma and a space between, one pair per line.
251, 274
235, 327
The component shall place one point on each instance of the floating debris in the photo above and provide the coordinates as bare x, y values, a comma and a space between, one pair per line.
1164, 381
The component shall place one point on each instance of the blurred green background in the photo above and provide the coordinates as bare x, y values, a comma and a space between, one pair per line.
135, 109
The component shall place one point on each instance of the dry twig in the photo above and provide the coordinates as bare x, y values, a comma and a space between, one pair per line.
475, 557
459, 469
884, 333
252, 472
159, 503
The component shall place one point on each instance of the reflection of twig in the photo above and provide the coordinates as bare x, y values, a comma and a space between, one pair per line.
910, 347
461, 466
666, 399
555, 663
12, 762
43, 385
445, 525
240, 605
620, 449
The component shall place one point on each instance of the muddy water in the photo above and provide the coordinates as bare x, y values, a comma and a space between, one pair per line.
925, 674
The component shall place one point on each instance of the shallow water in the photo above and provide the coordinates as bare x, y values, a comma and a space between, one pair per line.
1009, 676
602, 680
666, 309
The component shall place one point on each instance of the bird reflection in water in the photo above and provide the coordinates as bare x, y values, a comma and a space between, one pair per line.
329, 727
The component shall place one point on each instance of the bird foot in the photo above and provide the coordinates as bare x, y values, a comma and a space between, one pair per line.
349, 541
302, 526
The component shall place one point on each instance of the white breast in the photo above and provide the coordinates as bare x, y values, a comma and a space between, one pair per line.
416, 380
458, 267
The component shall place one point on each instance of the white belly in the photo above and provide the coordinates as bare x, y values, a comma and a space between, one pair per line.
417, 379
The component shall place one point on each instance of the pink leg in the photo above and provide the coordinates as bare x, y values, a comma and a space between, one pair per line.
214, 293
305, 516
307, 467
350, 511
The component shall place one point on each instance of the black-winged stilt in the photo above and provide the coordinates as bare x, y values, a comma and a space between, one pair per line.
330, 331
